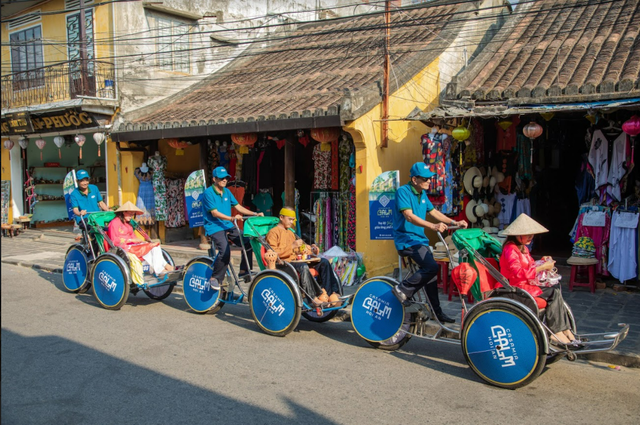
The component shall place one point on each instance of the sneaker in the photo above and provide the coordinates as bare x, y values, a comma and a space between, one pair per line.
214, 284
246, 276
401, 296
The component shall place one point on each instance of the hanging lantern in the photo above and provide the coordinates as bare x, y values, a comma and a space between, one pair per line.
8, 145
40, 143
532, 130
177, 145
505, 124
80, 139
23, 142
98, 138
547, 115
632, 126
325, 136
591, 118
460, 133
244, 140
59, 141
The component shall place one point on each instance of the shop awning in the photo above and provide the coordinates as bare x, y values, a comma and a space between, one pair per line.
324, 74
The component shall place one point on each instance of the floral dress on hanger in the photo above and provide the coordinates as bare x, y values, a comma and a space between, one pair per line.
158, 164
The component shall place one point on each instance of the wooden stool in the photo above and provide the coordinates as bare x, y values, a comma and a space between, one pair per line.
443, 274
578, 265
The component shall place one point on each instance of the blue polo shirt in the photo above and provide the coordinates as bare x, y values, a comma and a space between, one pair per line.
88, 202
407, 234
221, 202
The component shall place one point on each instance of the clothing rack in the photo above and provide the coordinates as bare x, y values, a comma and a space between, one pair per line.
314, 195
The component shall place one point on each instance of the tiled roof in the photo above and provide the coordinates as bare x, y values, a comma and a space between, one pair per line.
559, 51
315, 71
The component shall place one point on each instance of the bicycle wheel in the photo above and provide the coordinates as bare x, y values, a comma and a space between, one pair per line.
195, 284
163, 291
75, 272
275, 302
503, 343
377, 315
111, 281
401, 338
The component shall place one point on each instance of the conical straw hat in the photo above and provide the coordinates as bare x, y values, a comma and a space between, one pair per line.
128, 206
524, 225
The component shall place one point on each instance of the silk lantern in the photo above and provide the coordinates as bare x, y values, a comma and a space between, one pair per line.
325, 136
80, 139
59, 141
8, 145
178, 146
40, 143
244, 140
532, 130
98, 138
460, 133
632, 126
23, 142
505, 124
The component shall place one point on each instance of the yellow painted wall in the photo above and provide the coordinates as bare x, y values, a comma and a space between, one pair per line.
6, 175
112, 173
403, 150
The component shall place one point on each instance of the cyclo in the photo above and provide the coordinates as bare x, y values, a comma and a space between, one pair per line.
97, 263
504, 337
274, 296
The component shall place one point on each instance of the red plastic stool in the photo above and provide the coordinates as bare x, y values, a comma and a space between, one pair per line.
443, 274
578, 266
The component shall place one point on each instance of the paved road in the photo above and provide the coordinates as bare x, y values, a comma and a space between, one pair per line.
65, 360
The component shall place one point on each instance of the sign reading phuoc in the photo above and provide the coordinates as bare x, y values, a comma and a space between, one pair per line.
193, 195
382, 199
27, 122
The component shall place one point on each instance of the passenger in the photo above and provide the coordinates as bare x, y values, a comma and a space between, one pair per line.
411, 208
121, 233
218, 201
287, 244
86, 198
519, 268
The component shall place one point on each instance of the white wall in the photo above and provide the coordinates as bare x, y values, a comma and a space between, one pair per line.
17, 181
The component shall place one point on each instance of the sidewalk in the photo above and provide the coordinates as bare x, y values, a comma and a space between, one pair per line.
45, 249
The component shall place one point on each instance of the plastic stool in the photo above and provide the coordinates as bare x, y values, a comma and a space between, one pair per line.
443, 274
578, 266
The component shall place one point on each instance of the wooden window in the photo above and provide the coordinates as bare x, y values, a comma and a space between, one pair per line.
27, 58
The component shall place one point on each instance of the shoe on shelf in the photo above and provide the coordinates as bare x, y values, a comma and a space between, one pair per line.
334, 299
401, 296
443, 318
214, 284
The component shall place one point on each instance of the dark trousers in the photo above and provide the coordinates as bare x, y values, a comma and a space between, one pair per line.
306, 281
327, 278
221, 242
426, 276
556, 315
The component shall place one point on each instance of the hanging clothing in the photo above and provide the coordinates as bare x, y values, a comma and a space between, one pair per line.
585, 183
506, 139
598, 158
351, 219
263, 202
433, 156
523, 149
617, 168
321, 168
146, 200
158, 164
175, 203
600, 237
506, 212
622, 246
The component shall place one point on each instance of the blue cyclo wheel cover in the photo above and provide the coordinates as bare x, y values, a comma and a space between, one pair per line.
273, 303
108, 281
501, 346
75, 268
197, 291
377, 315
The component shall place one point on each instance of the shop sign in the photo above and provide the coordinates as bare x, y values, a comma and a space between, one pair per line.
382, 200
16, 123
194, 196
68, 186
68, 119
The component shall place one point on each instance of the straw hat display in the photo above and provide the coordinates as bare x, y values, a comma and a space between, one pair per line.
499, 176
474, 211
472, 180
128, 206
524, 225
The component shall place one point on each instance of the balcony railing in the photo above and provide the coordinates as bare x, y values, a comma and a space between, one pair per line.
58, 82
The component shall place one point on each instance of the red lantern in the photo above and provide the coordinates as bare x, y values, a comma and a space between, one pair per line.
325, 135
632, 126
177, 145
40, 143
532, 130
244, 140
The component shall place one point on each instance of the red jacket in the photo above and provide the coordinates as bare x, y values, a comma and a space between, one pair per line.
519, 268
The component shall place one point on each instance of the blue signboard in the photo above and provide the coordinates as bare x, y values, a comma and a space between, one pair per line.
382, 197
193, 195
68, 186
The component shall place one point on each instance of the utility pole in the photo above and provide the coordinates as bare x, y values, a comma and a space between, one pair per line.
385, 84
84, 71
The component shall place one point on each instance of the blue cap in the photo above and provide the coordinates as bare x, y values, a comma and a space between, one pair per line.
220, 173
420, 169
82, 174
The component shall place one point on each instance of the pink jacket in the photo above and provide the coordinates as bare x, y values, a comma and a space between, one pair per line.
519, 268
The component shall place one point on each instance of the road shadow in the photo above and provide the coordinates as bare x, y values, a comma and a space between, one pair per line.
53, 380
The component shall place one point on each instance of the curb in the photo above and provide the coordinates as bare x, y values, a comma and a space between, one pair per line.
43, 267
